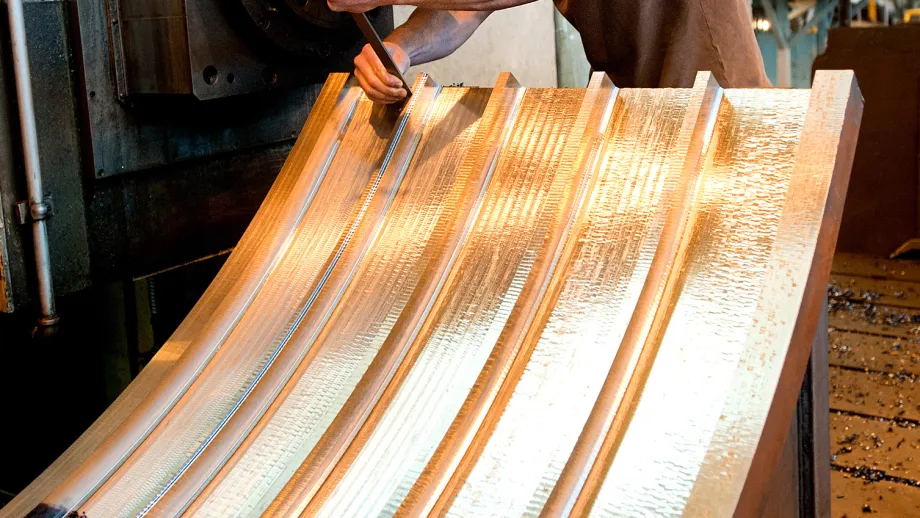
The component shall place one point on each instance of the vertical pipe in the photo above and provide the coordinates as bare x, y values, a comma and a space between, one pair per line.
39, 209
784, 67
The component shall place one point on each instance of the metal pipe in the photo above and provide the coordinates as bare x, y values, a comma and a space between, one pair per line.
39, 209
845, 13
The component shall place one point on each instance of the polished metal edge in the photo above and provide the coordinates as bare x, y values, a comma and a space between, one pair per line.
244, 414
780, 352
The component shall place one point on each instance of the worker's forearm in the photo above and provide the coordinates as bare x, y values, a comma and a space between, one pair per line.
459, 5
429, 35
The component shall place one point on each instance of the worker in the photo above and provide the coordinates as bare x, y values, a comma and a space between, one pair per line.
639, 43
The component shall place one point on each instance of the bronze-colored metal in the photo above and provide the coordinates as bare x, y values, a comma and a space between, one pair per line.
497, 302
90, 460
636, 350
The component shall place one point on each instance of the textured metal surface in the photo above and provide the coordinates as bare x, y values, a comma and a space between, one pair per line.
56, 111
497, 302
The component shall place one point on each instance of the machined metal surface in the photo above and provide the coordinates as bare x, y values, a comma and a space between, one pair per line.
503, 302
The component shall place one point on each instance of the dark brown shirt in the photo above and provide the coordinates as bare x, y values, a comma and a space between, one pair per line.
663, 43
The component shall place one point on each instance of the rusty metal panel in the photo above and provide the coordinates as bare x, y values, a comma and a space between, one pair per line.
499, 302
9, 196
883, 208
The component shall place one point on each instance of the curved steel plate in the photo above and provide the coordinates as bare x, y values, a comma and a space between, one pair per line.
496, 302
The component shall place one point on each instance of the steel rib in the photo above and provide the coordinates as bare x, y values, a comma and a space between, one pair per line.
481, 161
802, 251
347, 344
589, 312
516, 217
300, 271
699, 122
730, 231
402, 148
581, 154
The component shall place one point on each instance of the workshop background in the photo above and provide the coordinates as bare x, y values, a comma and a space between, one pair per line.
153, 167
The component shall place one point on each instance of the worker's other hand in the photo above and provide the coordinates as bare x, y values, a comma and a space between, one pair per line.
379, 85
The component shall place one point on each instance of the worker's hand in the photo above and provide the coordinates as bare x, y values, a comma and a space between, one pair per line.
379, 85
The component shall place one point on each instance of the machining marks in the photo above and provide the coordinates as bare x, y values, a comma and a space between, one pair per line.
478, 164
519, 210
763, 379
90, 461
709, 313
505, 302
294, 283
567, 357
414, 233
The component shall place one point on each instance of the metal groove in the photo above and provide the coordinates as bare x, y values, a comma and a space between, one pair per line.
189, 348
152, 461
481, 160
352, 341
581, 154
456, 335
402, 162
598, 441
695, 344
296, 348
153, 465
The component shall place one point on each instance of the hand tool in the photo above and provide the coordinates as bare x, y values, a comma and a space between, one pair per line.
370, 34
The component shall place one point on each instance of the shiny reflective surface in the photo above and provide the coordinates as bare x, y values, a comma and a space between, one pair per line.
496, 302
710, 315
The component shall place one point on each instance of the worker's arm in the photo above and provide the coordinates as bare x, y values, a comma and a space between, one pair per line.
426, 36
362, 6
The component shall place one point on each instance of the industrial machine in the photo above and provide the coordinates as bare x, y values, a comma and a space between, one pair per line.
130, 96
160, 126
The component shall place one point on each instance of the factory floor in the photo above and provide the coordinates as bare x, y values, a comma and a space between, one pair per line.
874, 387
